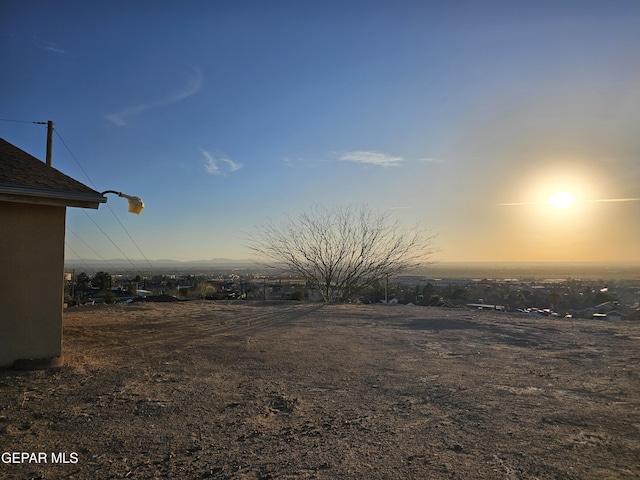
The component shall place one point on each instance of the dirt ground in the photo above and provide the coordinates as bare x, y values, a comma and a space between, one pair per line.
296, 390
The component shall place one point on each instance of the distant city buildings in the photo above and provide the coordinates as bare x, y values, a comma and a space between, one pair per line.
610, 300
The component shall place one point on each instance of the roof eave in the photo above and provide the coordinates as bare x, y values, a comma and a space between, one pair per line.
10, 193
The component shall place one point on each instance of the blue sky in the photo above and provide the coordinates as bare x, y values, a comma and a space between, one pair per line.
223, 115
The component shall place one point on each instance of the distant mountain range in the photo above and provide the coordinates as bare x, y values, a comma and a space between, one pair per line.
118, 265
502, 270
163, 261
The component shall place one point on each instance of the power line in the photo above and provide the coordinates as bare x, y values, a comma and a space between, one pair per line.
76, 254
131, 238
91, 248
109, 238
76, 160
21, 121
110, 209
95, 188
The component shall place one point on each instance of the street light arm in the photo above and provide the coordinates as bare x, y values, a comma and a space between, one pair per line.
136, 205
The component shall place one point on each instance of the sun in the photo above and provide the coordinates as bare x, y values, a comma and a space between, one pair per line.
561, 199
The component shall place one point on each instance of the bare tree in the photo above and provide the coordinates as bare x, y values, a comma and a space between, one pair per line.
341, 250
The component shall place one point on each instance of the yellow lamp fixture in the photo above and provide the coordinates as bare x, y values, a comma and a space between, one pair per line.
136, 205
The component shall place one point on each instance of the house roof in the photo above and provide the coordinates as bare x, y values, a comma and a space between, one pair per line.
25, 179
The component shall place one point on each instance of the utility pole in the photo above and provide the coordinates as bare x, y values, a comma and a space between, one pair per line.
49, 141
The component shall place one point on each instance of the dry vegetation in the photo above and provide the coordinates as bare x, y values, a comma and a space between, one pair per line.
216, 390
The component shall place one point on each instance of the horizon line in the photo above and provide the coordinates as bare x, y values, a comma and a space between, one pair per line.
225, 259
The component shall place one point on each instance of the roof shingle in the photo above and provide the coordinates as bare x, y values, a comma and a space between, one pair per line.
23, 174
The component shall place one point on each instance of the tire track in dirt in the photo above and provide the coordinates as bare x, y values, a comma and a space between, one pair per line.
182, 326
235, 390
256, 319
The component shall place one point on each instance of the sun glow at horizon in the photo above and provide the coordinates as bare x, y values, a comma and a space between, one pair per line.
561, 199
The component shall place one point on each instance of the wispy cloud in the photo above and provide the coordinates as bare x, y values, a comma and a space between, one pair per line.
53, 47
220, 165
371, 158
193, 86
41, 44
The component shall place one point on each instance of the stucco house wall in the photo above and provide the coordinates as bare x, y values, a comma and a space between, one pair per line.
33, 201
31, 282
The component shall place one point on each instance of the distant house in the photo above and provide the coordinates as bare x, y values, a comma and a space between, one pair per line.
614, 315
605, 307
33, 202
604, 311
483, 306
